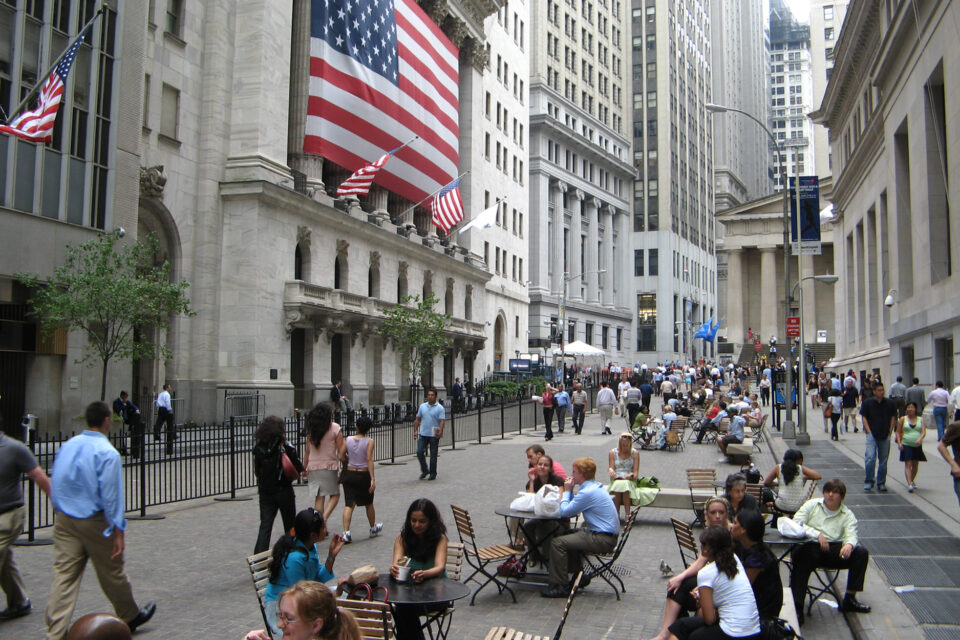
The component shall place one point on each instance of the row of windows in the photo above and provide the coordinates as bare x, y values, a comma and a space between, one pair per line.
646, 262
560, 155
518, 25
516, 228
501, 263
503, 76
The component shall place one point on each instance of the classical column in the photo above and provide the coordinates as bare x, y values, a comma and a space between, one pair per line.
608, 260
622, 262
592, 207
735, 296
809, 300
307, 163
574, 245
538, 269
768, 294
555, 256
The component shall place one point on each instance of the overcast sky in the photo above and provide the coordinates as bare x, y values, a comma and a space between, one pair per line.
801, 9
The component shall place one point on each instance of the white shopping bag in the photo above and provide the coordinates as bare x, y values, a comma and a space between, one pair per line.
546, 501
790, 528
523, 502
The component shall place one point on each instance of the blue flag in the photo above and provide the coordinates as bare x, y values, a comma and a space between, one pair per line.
713, 332
704, 331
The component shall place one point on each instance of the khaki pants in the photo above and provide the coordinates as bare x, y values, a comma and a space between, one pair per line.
606, 413
566, 552
11, 525
75, 540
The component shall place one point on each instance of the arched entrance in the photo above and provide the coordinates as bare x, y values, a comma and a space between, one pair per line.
149, 374
499, 331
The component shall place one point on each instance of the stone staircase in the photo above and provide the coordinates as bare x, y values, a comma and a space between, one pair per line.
822, 351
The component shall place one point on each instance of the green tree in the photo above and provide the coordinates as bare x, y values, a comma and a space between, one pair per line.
106, 290
417, 331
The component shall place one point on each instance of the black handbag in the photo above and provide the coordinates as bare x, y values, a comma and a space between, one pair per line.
776, 629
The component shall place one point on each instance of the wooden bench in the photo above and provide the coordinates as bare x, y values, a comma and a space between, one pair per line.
670, 498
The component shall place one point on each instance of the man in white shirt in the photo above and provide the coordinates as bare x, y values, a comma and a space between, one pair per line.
606, 401
622, 389
165, 416
955, 402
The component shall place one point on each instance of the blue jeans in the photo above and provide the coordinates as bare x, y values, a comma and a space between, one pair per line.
956, 487
875, 456
422, 443
940, 415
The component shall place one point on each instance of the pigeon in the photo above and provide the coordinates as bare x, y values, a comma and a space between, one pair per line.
665, 568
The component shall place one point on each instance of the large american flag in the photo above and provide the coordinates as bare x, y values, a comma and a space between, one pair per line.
381, 72
447, 208
37, 124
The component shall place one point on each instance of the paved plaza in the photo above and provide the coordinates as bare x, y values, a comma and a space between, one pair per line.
192, 562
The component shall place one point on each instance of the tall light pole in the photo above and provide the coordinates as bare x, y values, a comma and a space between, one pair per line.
563, 315
803, 436
789, 428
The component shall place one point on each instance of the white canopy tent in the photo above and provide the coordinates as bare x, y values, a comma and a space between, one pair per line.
580, 349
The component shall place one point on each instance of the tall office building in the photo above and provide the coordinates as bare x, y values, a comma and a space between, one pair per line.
791, 93
674, 260
493, 104
580, 175
740, 75
826, 19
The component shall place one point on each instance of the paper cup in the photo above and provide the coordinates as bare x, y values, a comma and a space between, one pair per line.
403, 574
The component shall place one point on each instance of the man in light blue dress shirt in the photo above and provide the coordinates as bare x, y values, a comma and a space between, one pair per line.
428, 429
87, 494
597, 535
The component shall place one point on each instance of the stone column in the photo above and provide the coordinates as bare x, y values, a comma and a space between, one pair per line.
309, 164
809, 300
592, 207
608, 263
768, 295
538, 231
622, 262
573, 247
735, 296
555, 255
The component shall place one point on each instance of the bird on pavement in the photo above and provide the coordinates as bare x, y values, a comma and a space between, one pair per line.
665, 568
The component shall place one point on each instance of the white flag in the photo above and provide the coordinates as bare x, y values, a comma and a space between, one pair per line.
485, 219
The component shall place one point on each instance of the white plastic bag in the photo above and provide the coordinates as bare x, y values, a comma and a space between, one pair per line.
523, 502
546, 501
790, 528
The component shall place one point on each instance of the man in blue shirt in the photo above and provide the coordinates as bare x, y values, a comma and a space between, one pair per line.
737, 423
428, 429
561, 401
87, 494
598, 534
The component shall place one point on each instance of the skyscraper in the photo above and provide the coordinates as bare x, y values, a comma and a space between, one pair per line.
580, 175
826, 19
674, 260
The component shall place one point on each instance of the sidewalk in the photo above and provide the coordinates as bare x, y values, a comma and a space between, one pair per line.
911, 538
192, 562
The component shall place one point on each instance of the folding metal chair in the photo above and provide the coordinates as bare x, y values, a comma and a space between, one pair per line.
686, 542
602, 565
479, 558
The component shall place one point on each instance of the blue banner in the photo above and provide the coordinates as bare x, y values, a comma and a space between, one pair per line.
809, 216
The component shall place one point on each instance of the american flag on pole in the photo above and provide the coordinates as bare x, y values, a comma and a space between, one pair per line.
381, 72
359, 183
37, 124
447, 208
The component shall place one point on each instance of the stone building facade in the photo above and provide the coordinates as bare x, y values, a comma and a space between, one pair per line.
889, 107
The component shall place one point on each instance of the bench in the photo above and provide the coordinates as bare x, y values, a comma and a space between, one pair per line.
670, 498
744, 449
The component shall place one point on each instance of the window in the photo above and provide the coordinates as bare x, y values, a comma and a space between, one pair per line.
646, 322
169, 112
828, 33
173, 19
588, 332
654, 267
638, 262
828, 12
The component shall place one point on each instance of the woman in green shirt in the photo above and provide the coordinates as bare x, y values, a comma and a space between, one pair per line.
910, 433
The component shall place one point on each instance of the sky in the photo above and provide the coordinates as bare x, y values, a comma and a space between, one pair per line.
801, 10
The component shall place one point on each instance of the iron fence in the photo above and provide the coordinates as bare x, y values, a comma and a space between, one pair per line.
216, 459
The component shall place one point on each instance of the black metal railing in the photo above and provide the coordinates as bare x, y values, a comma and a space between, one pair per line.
216, 459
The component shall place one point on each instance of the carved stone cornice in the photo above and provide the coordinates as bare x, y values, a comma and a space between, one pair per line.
578, 194
559, 185
152, 181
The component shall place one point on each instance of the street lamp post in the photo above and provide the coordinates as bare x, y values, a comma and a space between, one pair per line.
789, 428
563, 316
803, 436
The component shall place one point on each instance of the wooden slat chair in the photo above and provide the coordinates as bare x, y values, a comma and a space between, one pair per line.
700, 480
755, 489
480, 558
505, 633
686, 542
259, 565
758, 433
454, 569
678, 427
601, 565
373, 618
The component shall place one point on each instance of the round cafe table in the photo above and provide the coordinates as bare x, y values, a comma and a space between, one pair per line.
427, 594
535, 543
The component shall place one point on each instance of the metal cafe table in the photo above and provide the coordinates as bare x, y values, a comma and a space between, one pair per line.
427, 594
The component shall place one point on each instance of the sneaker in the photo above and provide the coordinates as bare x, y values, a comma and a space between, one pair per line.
868, 487
347, 538
856, 430
882, 488
376, 529
911, 489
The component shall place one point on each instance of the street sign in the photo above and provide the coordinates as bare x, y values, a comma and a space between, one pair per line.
821, 335
793, 326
